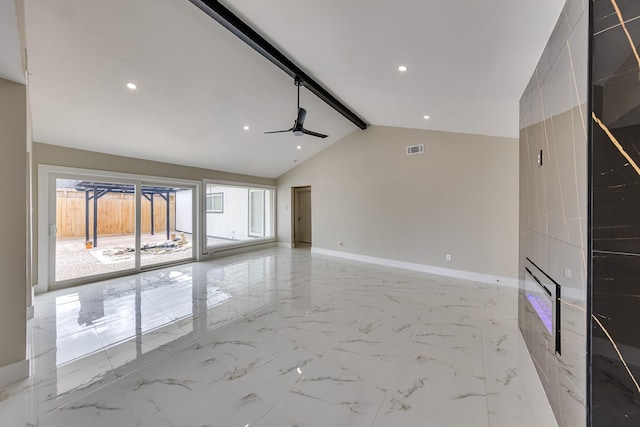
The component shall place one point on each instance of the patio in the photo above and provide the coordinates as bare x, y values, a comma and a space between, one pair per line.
116, 253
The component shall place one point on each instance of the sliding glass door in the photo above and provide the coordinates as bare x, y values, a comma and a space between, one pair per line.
104, 227
95, 228
166, 223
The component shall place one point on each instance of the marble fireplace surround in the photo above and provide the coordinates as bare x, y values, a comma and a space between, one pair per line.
581, 113
553, 211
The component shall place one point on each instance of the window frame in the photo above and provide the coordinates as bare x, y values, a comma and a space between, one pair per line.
263, 215
213, 204
269, 218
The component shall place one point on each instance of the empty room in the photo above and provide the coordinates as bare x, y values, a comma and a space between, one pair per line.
272, 214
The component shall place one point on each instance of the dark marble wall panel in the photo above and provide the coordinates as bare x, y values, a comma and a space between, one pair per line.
604, 14
616, 192
553, 208
616, 398
616, 140
615, 221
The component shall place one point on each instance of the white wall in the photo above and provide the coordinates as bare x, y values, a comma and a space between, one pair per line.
233, 222
13, 262
184, 211
459, 198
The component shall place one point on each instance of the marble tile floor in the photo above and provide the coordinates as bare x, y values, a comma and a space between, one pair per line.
277, 338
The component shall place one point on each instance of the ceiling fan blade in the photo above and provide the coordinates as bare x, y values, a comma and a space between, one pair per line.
302, 114
279, 131
316, 134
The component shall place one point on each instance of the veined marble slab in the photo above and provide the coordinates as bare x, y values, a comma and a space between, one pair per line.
278, 338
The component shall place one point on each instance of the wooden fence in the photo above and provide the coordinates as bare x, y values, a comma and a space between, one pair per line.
116, 214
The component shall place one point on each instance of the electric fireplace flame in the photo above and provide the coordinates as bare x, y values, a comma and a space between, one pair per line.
543, 310
543, 294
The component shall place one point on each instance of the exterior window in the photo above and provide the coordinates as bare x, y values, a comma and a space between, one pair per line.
256, 213
247, 217
215, 202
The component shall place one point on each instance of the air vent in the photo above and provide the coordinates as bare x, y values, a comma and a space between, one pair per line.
415, 149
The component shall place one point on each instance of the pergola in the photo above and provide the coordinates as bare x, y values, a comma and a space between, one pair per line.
95, 190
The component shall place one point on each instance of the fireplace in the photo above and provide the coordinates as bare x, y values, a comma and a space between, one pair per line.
543, 294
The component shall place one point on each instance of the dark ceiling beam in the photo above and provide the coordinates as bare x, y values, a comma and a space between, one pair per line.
247, 34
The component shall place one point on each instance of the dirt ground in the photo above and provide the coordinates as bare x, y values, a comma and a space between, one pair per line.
114, 253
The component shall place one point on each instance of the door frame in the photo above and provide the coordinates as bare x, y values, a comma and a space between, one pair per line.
46, 211
294, 213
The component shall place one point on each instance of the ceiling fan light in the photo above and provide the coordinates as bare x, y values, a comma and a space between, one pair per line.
298, 132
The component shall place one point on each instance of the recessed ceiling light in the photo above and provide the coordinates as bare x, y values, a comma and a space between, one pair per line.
402, 68
299, 147
132, 85
246, 128
426, 117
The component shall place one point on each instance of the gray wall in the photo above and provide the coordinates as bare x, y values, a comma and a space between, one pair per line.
553, 208
71, 157
459, 197
13, 262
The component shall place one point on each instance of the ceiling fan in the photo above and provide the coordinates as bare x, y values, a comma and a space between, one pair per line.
298, 125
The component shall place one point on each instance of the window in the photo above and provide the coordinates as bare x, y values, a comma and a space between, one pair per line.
215, 202
256, 213
247, 218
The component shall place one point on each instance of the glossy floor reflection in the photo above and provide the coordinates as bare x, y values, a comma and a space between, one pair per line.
278, 338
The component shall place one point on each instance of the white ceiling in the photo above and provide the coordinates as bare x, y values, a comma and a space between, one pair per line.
469, 62
10, 60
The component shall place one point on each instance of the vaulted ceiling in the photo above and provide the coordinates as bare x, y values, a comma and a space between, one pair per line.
199, 85
11, 67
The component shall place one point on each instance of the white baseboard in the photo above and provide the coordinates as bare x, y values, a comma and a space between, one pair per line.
40, 289
15, 372
448, 272
30, 312
239, 250
285, 245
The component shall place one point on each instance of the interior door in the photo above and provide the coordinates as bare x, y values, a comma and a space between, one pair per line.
303, 216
